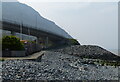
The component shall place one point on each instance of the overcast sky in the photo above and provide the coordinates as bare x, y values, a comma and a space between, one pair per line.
88, 22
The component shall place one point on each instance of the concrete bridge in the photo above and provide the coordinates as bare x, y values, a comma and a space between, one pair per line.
20, 18
23, 19
46, 36
16, 28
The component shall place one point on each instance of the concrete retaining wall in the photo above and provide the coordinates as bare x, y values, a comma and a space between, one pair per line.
13, 53
30, 48
17, 53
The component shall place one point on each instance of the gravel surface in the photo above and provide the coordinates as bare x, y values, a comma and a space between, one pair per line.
57, 66
89, 51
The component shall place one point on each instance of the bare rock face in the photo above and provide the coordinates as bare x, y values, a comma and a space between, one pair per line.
89, 51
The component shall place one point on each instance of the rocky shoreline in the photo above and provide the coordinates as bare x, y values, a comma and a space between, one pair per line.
58, 66
89, 51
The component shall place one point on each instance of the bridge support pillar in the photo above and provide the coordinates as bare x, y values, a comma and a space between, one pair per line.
44, 40
37, 40
47, 41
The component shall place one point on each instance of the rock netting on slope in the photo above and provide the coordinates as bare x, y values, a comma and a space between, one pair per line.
57, 66
89, 51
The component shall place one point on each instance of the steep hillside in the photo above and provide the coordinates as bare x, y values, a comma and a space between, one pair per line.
19, 13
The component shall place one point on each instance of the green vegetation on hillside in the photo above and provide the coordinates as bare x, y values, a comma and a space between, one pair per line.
73, 42
109, 63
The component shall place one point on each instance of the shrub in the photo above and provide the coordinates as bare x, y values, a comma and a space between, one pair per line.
2, 59
74, 42
11, 43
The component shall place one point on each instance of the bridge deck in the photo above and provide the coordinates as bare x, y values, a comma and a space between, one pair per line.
32, 31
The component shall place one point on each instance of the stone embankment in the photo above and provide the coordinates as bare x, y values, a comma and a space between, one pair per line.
89, 51
59, 66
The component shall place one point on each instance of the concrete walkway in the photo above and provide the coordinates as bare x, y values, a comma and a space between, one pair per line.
31, 57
